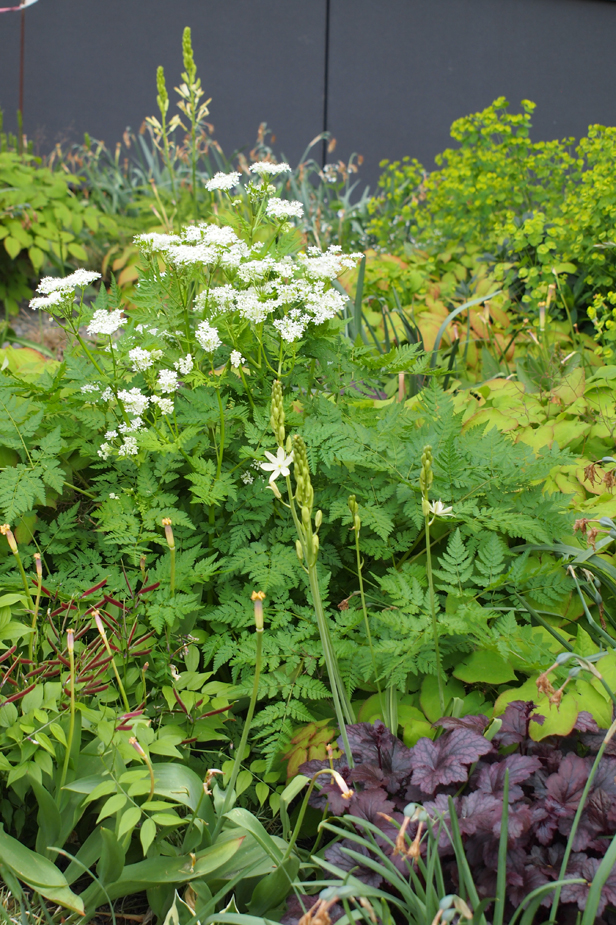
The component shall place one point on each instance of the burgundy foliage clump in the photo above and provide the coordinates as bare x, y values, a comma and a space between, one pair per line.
546, 780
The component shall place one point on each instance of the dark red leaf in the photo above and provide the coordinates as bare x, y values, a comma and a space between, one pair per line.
491, 778
475, 723
515, 719
446, 761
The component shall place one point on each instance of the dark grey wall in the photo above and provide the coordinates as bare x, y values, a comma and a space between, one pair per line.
400, 71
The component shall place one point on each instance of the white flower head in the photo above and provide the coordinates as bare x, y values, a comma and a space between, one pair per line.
185, 364
247, 477
165, 405
90, 387
167, 380
134, 401
77, 280
223, 181
439, 510
236, 359
207, 337
111, 435
283, 208
113, 496
142, 359
129, 447
104, 322
49, 301
278, 464
267, 169
105, 450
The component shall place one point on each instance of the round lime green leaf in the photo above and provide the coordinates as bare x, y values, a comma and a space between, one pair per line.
37, 257
12, 246
485, 667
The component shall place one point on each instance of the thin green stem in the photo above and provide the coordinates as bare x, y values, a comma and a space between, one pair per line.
437, 650
221, 446
244, 739
24, 579
71, 728
362, 597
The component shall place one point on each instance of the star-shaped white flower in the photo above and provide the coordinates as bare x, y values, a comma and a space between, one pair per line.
278, 464
439, 510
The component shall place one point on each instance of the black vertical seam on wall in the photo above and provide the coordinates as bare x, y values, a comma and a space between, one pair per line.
326, 81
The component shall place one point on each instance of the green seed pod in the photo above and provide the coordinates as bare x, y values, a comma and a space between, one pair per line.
299, 551
318, 519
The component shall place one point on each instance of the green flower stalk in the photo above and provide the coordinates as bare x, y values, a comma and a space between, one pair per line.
70, 645
307, 547
166, 523
162, 99
101, 629
143, 754
426, 478
39, 582
5, 530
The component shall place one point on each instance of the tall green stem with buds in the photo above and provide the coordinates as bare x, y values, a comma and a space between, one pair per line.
5, 530
163, 104
425, 481
307, 546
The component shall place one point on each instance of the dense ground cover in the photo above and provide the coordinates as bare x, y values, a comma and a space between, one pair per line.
308, 596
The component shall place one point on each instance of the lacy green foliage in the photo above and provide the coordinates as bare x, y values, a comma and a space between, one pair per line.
42, 223
532, 207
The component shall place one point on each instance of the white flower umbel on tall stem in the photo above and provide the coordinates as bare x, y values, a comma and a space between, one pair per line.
208, 337
284, 209
104, 322
223, 181
267, 169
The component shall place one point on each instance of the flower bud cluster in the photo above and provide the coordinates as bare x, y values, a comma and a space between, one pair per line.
354, 509
426, 478
304, 495
277, 413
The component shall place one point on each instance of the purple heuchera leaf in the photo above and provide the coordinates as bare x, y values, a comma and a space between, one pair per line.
446, 761
516, 718
491, 777
340, 859
375, 746
564, 789
581, 865
476, 723
585, 722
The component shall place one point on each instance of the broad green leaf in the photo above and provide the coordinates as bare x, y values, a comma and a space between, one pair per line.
245, 820
38, 873
147, 834
112, 805
484, 666
129, 820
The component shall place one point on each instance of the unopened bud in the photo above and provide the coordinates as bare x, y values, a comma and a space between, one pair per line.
133, 741
70, 640
315, 543
274, 488
306, 517
100, 626
38, 564
166, 522
299, 551
5, 530
258, 597
356, 524
318, 519
425, 507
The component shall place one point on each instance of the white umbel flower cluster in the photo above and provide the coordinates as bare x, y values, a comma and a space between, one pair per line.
104, 322
167, 380
223, 181
55, 290
184, 365
284, 209
236, 359
208, 337
142, 359
267, 169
